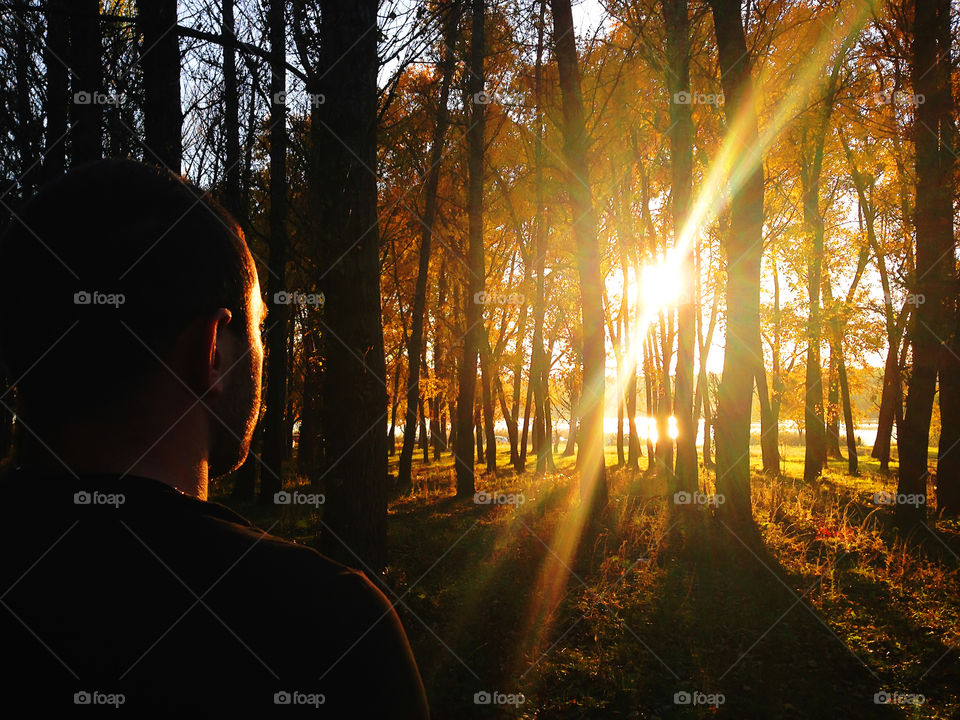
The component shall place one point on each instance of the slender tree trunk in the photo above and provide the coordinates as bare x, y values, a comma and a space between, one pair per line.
677, 23
473, 316
274, 446
593, 482
486, 395
231, 119
744, 248
852, 458
86, 109
55, 49
414, 346
162, 115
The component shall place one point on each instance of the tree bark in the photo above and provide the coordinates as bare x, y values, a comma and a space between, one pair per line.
414, 346
160, 60
345, 192
744, 248
86, 109
274, 445
935, 264
473, 316
590, 460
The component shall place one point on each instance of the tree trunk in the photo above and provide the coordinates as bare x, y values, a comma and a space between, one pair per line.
86, 109
56, 47
473, 316
677, 23
274, 445
231, 120
160, 60
948, 452
744, 248
935, 264
415, 343
345, 192
590, 460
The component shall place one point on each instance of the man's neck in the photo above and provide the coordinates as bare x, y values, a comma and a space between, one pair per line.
77, 457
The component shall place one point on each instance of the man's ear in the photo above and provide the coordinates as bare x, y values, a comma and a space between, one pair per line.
218, 351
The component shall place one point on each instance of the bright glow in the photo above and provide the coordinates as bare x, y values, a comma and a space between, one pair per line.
652, 434
661, 285
672, 430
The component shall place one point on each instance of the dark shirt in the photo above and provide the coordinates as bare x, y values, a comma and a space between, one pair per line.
177, 603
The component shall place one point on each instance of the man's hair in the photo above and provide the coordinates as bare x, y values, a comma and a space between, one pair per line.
101, 271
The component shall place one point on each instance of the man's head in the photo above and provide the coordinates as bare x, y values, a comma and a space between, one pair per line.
117, 280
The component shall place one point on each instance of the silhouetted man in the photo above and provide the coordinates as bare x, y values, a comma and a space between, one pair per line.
130, 320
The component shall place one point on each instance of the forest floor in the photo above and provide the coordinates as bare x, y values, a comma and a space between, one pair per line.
657, 614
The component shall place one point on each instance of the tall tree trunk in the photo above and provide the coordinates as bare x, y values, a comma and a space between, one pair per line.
935, 264
355, 402
437, 431
414, 346
162, 115
744, 248
948, 451
590, 460
473, 315
486, 395
853, 462
677, 22
86, 110
231, 119
274, 445
55, 49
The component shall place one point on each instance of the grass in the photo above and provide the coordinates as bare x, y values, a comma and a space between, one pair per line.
824, 606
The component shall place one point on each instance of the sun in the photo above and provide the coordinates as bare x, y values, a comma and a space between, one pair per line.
661, 285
